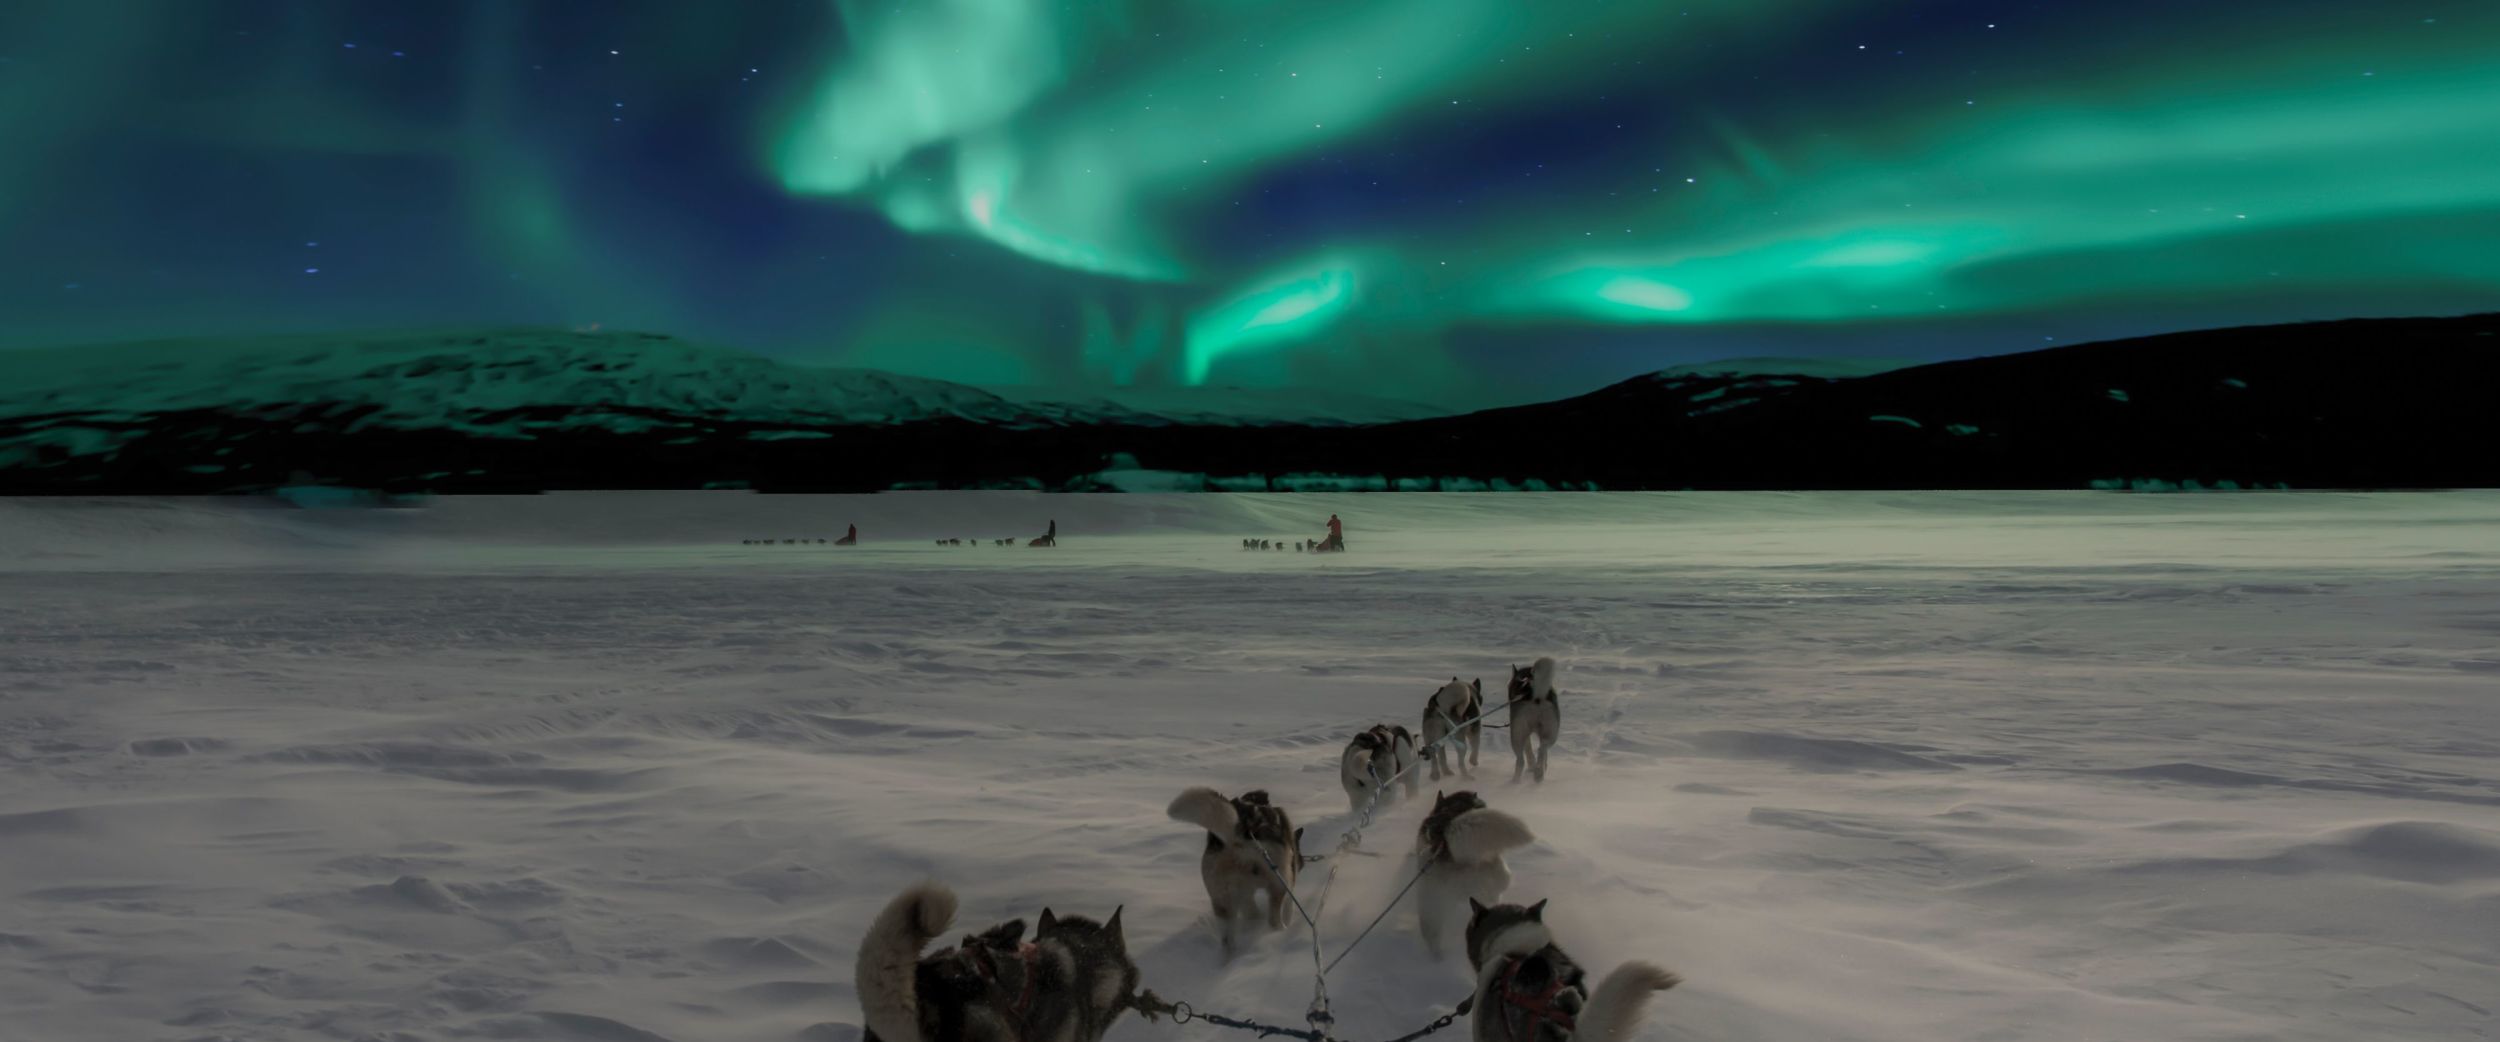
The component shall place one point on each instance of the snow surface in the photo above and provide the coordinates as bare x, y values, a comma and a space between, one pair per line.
1860, 766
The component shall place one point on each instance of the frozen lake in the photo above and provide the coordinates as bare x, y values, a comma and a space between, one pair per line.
1880, 766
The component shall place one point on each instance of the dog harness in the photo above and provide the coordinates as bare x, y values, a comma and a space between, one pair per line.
1027, 953
1538, 1006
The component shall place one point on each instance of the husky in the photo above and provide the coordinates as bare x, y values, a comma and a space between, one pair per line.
1374, 759
1535, 714
1068, 984
1458, 851
1252, 848
1444, 713
1049, 538
1528, 990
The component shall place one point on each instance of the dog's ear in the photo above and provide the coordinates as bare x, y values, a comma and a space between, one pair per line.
1111, 926
1436, 795
1048, 921
1536, 912
1476, 908
1297, 839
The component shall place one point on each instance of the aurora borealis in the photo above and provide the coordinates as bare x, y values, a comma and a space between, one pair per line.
1456, 200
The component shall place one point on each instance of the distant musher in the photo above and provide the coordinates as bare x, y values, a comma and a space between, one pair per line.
849, 539
1335, 543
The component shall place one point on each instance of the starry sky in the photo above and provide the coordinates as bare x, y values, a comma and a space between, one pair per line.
1456, 201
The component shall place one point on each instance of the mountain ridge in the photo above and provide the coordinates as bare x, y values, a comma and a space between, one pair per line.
2355, 403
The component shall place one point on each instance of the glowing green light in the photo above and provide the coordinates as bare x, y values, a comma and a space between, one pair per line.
1277, 313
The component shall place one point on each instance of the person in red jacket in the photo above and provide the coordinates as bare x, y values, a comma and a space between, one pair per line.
1336, 534
849, 539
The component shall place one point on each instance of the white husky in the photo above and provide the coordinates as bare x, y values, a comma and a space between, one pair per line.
1252, 849
1376, 757
1535, 715
1456, 707
1459, 851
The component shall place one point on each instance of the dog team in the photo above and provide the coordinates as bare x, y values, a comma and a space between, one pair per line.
1074, 977
1048, 538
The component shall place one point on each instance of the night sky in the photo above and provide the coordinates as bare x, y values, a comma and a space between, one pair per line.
1462, 201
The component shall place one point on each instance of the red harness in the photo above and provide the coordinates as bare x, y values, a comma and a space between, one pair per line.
1027, 953
1540, 1005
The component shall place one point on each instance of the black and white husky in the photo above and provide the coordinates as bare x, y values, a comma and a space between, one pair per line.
1065, 985
1456, 704
1376, 757
1529, 990
1535, 715
1252, 849
1458, 850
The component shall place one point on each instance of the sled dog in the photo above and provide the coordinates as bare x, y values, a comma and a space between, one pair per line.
1454, 707
1375, 757
1535, 715
1458, 850
1065, 985
1529, 990
1252, 849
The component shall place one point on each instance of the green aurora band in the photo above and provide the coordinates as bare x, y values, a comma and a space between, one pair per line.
1096, 136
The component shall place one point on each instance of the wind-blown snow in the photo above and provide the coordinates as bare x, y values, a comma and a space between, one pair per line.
1859, 766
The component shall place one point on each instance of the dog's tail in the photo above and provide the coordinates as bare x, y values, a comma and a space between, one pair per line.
889, 960
1483, 834
1205, 808
1615, 1008
1541, 674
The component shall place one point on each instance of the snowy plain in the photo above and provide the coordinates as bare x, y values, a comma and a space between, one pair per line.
1875, 766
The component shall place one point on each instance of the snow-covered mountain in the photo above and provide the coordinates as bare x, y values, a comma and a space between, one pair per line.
1230, 405
500, 382
2363, 403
